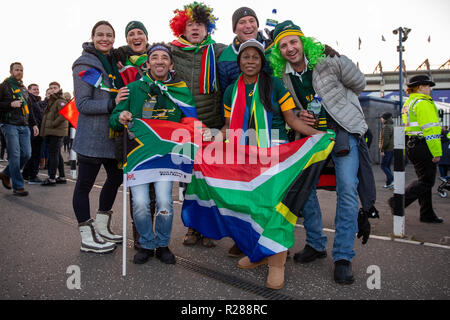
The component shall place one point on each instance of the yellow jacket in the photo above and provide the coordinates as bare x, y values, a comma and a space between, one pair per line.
419, 114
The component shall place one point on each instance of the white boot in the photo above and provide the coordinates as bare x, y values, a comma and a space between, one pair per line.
103, 226
91, 241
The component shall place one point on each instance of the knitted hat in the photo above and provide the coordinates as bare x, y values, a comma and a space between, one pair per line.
420, 80
255, 44
286, 28
197, 12
160, 46
135, 25
386, 115
243, 12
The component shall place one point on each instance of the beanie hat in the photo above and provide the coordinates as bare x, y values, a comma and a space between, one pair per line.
286, 28
197, 12
135, 25
255, 44
386, 115
162, 47
243, 12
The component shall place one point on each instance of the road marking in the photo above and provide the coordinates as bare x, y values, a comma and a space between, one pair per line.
427, 244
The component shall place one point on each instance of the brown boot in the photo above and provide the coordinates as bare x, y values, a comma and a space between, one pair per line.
275, 279
191, 237
245, 263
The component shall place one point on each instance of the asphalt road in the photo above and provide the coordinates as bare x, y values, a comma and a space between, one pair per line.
40, 247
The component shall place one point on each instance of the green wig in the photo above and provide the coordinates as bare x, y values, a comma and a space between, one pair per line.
313, 49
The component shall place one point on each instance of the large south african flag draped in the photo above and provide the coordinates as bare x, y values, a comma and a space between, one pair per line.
253, 195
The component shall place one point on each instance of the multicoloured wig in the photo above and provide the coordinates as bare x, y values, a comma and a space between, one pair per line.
313, 49
195, 11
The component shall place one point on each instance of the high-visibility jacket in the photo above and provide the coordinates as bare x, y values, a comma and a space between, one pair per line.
419, 114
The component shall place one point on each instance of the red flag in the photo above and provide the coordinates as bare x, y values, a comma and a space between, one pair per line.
70, 112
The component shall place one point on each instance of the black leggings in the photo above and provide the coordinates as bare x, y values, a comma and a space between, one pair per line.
88, 169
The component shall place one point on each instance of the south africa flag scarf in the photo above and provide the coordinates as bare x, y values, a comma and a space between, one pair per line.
241, 116
208, 77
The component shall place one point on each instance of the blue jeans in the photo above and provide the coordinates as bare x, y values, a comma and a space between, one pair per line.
386, 162
346, 209
163, 218
18, 146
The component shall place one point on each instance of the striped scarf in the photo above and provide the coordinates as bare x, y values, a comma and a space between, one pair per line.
240, 117
16, 87
208, 73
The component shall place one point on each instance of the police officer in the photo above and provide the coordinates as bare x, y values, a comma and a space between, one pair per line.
423, 144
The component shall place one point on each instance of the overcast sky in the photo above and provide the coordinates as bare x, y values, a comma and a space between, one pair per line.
46, 35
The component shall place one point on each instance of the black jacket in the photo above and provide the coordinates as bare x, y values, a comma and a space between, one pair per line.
14, 116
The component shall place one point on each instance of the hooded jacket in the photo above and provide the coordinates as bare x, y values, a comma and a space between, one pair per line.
94, 105
54, 124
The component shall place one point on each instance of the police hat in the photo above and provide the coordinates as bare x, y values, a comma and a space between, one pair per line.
420, 80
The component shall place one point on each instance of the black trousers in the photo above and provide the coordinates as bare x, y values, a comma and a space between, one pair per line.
55, 159
421, 158
31, 169
88, 169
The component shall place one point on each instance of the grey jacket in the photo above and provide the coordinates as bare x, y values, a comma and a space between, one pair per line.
339, 82
93, 104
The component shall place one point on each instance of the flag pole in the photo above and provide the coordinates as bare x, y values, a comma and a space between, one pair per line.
124, 188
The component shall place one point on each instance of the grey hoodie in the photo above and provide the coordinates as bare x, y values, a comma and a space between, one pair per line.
93, 104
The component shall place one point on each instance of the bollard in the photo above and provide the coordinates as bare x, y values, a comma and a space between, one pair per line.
73, 155
399, 182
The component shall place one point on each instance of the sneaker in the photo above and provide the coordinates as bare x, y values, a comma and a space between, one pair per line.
61, 180
309, 254
388, 186
20, 192
143, 255
49, 182
35, 180
165, 255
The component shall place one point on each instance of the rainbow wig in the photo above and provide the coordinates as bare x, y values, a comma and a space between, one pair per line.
313, 49
197, 12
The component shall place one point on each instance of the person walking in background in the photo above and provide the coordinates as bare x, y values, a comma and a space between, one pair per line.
386, 145
53, 129
423, 145
15, 122
444, 163
92, 142
31, 169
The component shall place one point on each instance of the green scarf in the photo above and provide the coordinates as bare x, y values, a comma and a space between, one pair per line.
113, 72
16, 86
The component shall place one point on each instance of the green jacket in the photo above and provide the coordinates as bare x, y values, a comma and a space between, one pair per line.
188, 65
54, 124
419, 114
141, 92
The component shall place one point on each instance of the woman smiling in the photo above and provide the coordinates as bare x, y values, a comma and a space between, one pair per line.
260, 106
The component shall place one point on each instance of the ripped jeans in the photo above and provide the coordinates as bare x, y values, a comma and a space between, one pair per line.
160, 236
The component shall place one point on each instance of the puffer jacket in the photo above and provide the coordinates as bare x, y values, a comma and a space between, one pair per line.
339, 82
94, 105
54, 124
187, 65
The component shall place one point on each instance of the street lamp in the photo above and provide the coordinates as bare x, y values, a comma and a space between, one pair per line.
402, 37
398, 199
